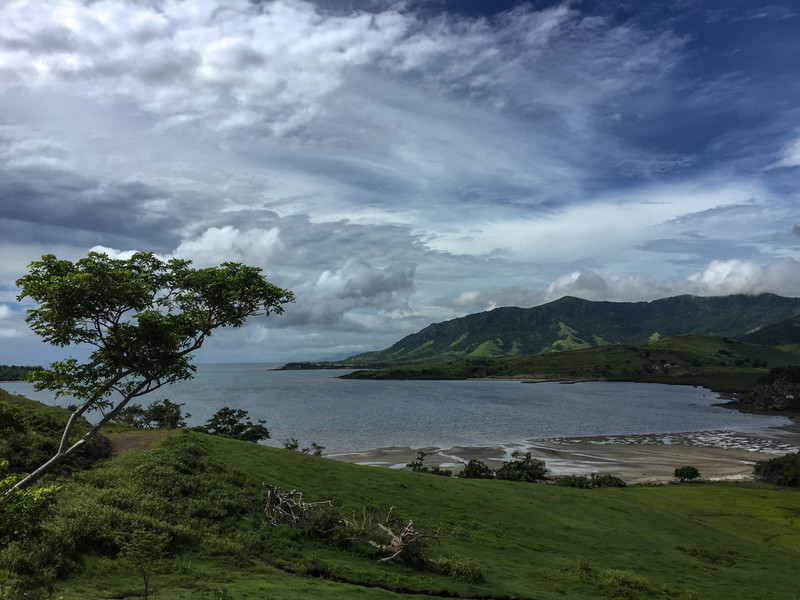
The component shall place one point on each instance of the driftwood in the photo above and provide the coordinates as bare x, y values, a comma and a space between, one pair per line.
288, 508
405, 542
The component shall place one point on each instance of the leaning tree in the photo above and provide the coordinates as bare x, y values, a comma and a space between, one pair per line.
142, 316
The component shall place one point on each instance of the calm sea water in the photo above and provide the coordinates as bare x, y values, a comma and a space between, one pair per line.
349, 415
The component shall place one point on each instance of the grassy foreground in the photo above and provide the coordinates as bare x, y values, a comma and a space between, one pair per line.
698, 540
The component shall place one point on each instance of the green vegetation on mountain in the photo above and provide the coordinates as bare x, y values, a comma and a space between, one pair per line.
14, 372
722, 364
572, 323
189, 508
779, 389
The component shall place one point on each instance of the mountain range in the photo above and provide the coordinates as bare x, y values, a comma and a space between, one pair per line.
572, 323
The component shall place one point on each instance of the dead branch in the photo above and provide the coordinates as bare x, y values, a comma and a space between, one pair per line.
404, 541
288, 508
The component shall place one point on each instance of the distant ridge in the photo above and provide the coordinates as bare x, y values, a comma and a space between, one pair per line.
779, 334
571, 323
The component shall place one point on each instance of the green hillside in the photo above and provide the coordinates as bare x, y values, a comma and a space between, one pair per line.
783, 333
722, 364
200, 499
572, 323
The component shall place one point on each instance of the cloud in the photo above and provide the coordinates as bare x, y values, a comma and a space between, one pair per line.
718, 278
356, 295
256, 246
789, 155
11, 325
396, 164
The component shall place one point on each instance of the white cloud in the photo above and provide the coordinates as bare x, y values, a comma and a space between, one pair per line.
11, 323
790, 155
356, 294
228, 243
394, 165
717, 278
597, 230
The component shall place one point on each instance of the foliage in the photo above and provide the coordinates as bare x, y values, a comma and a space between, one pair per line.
595, 480
160, 414
143, 549
778, 389
292, 444
523, 468
418, 467
29, 435
235, 423
476, 469
459, 567
781, 470
206, 493
21, 511
14, 372
142, 316
686, 473
721, 364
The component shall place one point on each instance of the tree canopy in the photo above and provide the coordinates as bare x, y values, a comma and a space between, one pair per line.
143, 316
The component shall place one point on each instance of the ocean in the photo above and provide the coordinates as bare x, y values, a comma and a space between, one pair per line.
352, 415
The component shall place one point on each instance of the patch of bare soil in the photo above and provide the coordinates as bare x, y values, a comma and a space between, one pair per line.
130, 440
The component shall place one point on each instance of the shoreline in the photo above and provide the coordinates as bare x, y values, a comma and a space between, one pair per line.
636, 459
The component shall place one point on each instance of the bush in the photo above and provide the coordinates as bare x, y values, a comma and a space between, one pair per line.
459, 567
418, 467
782, 470
686, 473
593, 481
235, 423
476, 469
522, 469
161, 414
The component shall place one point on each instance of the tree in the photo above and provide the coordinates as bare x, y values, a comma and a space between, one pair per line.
686, 472
525, 468
476, 469
235, 423
161, 414
781, 470
144, 317
144, 549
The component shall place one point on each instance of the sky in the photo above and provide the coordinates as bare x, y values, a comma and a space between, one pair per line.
397, 164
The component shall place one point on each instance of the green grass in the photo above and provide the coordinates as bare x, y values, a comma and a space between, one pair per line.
697, 540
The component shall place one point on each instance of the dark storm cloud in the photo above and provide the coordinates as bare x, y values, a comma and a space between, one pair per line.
41, 197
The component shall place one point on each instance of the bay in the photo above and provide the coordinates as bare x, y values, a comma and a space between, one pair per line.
352, 415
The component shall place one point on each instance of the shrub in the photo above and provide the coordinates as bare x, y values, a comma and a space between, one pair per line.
522, 469
476, 469
782, 470
161, 414
235, 423
418, 467
686, 473
593, 481
459, 567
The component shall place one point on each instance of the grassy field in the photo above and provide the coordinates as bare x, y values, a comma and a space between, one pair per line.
697, 540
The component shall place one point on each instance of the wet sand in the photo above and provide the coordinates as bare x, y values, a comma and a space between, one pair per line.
718, 455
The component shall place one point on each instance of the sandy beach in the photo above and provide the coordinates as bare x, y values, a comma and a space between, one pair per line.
719, 455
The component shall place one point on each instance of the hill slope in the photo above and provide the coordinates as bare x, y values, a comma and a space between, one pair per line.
206, 494
572, 323
721, 364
